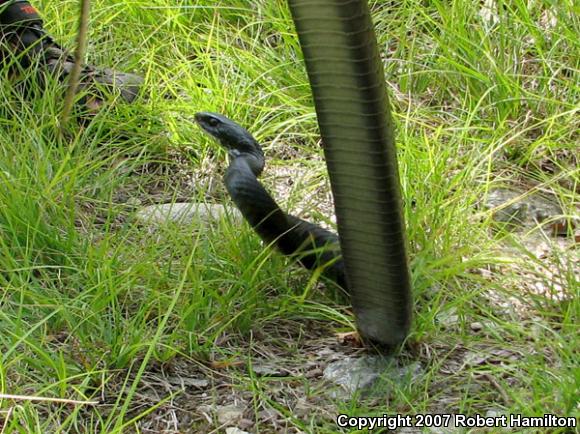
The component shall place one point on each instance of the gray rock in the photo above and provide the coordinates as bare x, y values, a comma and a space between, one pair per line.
235, 431
450, 429
263, 369
512, 215
133, 202
361, 374
200, 383
354, 374
229, 414
513, 209
476, 326
185, 213
448, 318
494, 412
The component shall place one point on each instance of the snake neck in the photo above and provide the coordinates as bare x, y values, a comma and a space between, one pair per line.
247, 158
252, 199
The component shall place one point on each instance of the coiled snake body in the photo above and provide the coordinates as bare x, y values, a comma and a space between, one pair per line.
313, 245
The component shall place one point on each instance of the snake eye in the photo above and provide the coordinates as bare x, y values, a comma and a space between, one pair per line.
213, 122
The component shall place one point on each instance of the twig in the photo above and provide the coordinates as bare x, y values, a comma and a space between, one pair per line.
7, 419
80, 51
46, 399
504, 396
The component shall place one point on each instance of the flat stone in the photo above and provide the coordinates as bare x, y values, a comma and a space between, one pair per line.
513, 209
448, 318
353, 374
263, 369
233, 430
476, 326
494, 412
360, 374
229, 414
186, 213
200, 383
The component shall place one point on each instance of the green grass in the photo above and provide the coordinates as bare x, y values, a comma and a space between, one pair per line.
93, 305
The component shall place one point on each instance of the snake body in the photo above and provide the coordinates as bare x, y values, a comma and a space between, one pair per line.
345, 70
311, 244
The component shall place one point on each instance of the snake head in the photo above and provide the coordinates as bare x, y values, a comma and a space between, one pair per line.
232, 136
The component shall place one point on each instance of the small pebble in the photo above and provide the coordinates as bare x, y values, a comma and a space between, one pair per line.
476, 326
233, 430
229, 414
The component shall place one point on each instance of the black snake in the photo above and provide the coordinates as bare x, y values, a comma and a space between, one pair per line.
312, 245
